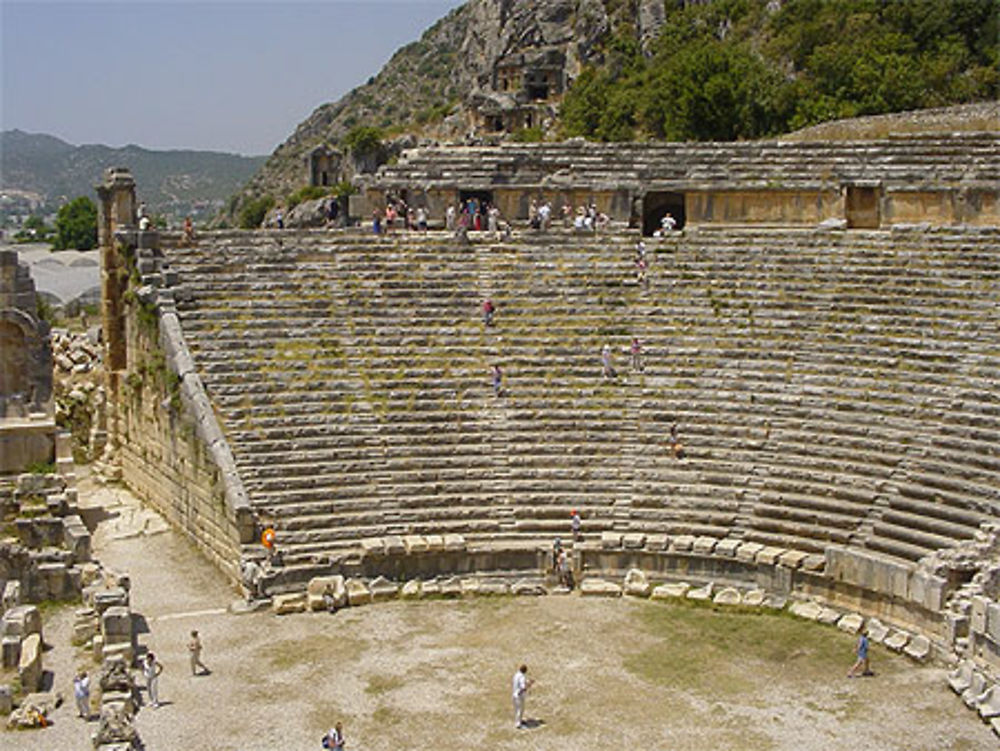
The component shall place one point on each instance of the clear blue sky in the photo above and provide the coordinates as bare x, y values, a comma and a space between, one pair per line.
233, 76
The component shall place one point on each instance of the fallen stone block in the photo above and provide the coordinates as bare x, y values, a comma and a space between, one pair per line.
775, 602
806, 609
919, 648
747, 551
792, 558
877, 631
728, 596
828, 616
851, 623
289, 603
116, 622
109, 598
383, 589
682, 544
754, 598
22, 621
669, 590
704, 545
454, 543
430, 588
768, 555
494, 587
961, 677
394, 545
11, 595
976, 688
593, 587
657, 542
324, 591
410, 590
29, 667
727, 547
451, 587
373, 546
701, 594
633, 540
814, 563
11, 648
636, 583
897, 640
435, 543
611, 540
415, 544
527, 588
358, 593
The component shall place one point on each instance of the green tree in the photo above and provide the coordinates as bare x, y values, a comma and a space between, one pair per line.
362, 139
254, 211
76, 225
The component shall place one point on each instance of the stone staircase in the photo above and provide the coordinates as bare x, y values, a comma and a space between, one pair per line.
829, 387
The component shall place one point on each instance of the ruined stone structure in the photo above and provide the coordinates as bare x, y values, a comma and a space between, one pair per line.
27, 428
937, 179
833, 385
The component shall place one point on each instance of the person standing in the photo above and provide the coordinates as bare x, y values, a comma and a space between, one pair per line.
81, 692
335, 738
151, 670
576, 525
194, 653
861, 663
489, 309
497, 380
636, 354
608, 369
521, 684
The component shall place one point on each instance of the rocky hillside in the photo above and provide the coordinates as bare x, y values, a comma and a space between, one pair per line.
424, 85
174, 183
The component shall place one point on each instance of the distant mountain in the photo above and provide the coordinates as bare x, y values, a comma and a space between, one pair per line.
170, 182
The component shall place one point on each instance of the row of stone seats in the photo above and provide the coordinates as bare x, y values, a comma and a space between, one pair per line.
908, 160
977, 691
709, 429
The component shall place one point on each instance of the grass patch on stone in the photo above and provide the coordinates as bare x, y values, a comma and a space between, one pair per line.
710, 650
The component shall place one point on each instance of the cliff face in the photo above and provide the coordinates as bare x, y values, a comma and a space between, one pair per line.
481, 55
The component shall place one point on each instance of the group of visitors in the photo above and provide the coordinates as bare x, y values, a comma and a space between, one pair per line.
398, 214
151, 669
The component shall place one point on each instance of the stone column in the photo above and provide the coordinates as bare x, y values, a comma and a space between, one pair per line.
117, 216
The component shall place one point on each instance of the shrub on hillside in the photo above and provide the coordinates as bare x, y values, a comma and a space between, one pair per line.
253, 212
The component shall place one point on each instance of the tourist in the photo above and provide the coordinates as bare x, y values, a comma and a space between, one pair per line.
252, 579
279, 219
194, 653
489, 310
557, 549
862, 662
521, 684
640, 273
332, 211
636, 350
334, 739
545, 216
565, 571
377, 222
151, 670
608, 369
188, 231
422, 219
390, 218
449, 218
533, 220
567, 214
497, 380
576, 525
81, 692
668, 223
676, 447
492, 218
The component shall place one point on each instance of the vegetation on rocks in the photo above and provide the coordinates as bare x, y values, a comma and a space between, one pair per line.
734, 69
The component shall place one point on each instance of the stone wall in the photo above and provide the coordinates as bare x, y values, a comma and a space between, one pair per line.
163, 437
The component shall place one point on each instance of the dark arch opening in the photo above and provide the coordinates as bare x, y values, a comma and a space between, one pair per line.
656, 205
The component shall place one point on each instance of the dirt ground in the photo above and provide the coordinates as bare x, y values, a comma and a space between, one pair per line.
436, 674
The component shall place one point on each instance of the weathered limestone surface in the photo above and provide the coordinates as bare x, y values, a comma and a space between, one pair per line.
29, 669
636, 583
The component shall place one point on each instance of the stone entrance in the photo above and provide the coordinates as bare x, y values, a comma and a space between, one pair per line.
862, 206
657, 204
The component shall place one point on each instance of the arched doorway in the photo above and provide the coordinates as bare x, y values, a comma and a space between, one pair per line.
656, 204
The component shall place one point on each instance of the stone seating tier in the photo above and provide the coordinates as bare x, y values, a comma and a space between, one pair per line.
829, 387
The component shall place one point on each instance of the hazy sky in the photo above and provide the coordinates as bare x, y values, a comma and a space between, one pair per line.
230, 75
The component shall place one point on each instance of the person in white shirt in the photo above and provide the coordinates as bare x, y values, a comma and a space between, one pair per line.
521, 684
81, 692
